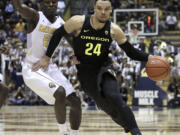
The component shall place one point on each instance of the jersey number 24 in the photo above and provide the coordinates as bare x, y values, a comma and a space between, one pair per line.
93, 49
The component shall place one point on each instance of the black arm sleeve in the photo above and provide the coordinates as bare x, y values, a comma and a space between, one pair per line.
134, 53
54, 41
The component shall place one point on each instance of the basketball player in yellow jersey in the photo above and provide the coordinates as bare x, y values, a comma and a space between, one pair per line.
93, 35
50, 85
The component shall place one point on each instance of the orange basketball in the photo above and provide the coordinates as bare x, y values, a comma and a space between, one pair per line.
157, 68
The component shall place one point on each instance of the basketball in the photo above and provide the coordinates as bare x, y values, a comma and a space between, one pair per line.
157, 68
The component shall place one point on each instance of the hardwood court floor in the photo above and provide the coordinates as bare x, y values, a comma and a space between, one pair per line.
40, 120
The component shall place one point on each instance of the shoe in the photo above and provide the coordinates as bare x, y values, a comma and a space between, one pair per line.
75, 132
66, 134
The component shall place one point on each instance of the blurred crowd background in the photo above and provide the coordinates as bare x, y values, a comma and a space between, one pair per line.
13, 34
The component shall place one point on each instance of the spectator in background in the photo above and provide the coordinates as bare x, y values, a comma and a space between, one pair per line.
2, 37
171, 21
14, 19
32, 98
178, 25
170, 7
18, 98
9, 9
19, 82
116, 4
160, 48
20, 26
162, 24
124, 92
177, 92
171, 89
127, 74
20, 30
78, 7
1, 16
2, 5
61, 7
89, 101
175, 102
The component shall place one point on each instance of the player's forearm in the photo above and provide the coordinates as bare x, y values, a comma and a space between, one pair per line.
57, 35
18, 5
27, 13
134, 53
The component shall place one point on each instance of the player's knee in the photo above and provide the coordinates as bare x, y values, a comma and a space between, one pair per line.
74, 101
60, 94
115, 100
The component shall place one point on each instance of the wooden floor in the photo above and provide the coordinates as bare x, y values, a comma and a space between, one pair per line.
40, 120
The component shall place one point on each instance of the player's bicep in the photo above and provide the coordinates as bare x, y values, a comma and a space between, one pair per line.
119, 35
73, 24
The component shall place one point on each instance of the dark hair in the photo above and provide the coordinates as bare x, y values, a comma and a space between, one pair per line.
40, 1
104, 0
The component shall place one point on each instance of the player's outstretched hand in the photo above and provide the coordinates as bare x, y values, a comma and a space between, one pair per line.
43, 63
4, 50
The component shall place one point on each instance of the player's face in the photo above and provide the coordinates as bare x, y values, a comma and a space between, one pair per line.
49, 6
102, 10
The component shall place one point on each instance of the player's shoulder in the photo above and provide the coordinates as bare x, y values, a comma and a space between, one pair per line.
115, 27
78, 18
74, 23
117, 33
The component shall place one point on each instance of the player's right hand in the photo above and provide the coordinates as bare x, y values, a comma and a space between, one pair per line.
43, 63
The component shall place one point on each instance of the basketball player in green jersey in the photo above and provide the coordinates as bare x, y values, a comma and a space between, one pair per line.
92, 38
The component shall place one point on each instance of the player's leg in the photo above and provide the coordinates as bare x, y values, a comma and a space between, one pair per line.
75, 104
60, 109
74, 101
124, 116
3, 94
75, 113
59, 106
49, 90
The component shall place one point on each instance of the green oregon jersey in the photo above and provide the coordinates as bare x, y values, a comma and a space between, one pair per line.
92, 46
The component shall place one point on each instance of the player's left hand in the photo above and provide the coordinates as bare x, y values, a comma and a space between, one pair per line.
43, 63
150, 56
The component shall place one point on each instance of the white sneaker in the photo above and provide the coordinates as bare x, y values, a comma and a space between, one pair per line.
74, 132
64, 133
